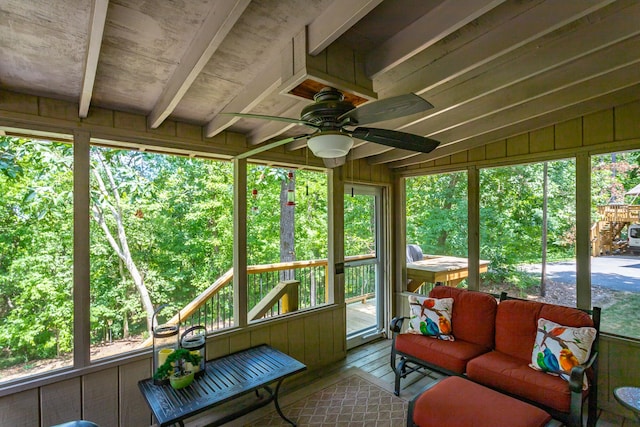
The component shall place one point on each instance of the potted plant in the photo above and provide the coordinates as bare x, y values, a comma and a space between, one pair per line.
178, 368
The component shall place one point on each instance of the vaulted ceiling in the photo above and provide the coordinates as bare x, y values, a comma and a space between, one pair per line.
491, 68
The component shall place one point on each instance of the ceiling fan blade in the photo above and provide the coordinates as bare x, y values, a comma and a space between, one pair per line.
275, 118
387, 109
393, 138
269, 146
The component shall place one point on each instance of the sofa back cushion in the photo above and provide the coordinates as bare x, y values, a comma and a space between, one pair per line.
517, 323
473, 315
516, 326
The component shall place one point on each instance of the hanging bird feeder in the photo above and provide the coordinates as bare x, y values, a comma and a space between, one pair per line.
291, 194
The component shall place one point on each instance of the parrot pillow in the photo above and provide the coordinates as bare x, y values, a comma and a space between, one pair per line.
431, 317
558, 348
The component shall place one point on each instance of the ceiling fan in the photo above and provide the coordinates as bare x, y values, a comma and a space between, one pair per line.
337, 121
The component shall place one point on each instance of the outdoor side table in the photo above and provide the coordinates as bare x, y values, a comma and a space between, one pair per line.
225, 378
629, 397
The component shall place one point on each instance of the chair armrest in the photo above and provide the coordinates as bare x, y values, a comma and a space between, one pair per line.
577, 373
396, 324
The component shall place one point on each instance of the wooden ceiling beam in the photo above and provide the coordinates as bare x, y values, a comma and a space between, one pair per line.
446, 18
221, 19
503, 38
529, 61
96, 30
599, 103
603, 62
270, 130
335, 21
581, 92
263, 85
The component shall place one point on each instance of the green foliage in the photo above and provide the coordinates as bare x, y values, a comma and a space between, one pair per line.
175, 364
437, 213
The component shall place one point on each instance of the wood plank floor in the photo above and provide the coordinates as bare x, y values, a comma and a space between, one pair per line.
374, 358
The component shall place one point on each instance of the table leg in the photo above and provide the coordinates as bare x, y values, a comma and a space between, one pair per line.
275, 401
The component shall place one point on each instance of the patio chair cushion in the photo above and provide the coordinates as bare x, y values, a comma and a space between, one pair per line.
450, 355
473, 315
508, 374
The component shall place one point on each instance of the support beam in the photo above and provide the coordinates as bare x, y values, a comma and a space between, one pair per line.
265, 84
221, 19
473, 221
273, 129
240, 291
446, 18
583, 228
335, 21
96, 29
563, 105
81, 250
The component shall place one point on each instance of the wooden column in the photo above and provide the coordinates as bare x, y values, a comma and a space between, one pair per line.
81, 257
473, 226
240, 299
336, 235
583, 227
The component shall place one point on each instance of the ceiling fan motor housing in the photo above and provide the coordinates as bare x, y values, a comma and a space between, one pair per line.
329, 104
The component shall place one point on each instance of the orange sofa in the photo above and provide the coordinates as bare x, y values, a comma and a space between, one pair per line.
493, 347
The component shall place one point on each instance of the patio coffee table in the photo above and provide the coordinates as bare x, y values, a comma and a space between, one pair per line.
225, 378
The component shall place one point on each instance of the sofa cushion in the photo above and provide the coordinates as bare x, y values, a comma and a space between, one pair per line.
450, 355
508, 374
431, 317
567, 316
473, 315
516, 326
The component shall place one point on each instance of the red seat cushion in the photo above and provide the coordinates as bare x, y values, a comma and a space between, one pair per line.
451, 355
455, 401
517, 322
512, 375
473, 314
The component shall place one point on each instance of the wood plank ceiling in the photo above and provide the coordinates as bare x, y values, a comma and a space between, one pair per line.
491, 68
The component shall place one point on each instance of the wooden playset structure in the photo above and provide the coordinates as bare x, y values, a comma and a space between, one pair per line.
606, 233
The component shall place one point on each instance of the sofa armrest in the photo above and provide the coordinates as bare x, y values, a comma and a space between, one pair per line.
577, 373
396, 324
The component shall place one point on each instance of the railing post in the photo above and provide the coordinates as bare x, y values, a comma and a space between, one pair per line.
290, 298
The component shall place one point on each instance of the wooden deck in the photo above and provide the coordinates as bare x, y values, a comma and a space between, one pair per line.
361, 315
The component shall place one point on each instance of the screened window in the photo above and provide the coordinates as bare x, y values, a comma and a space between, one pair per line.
286, 240
161, 235
36, 256
527, 231
436, 228
615, 260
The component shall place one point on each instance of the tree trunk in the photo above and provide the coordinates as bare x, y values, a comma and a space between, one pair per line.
121, 245
287, 227
545, 196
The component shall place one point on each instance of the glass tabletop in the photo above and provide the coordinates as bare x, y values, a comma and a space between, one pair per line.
629, 397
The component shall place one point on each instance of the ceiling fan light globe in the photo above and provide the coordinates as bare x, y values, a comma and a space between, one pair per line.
330, 145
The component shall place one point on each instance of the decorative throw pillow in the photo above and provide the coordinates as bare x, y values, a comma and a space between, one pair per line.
431, 317
558, 348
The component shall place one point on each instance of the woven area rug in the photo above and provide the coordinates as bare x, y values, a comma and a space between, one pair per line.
353, 398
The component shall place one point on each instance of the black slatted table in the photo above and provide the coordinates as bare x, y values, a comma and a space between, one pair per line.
224, 379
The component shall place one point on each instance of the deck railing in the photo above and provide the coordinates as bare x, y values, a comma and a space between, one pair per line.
213, 308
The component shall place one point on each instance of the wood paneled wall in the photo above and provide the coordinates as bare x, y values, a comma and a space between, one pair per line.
109, 395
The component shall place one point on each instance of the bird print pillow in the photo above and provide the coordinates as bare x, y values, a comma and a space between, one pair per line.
558, 348
431, 317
